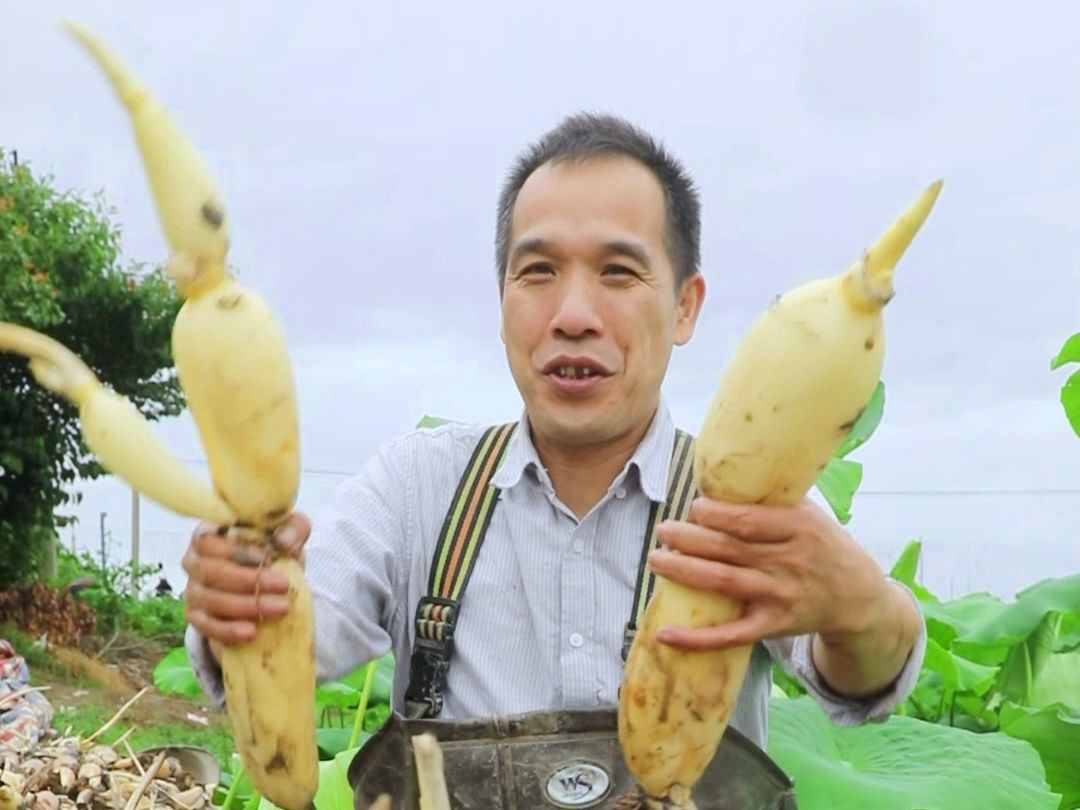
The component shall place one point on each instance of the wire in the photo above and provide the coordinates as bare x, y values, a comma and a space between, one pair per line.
309, 470
953, 492
892, 492
931, 492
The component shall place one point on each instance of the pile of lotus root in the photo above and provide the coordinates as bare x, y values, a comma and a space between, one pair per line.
72, 773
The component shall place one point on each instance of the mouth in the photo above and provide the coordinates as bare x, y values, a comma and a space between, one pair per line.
575, 375
575, 368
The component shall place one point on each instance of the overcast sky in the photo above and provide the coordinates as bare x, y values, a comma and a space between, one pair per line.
360, 149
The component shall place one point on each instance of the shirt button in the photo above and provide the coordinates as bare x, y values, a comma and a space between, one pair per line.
576, 640
620, 493
578, 545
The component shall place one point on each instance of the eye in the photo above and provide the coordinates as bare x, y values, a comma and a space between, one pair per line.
619, 270
536, 268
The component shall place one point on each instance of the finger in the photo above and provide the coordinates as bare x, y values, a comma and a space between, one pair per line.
750, 629
740, 583
705, 543
206, 528
227, 632
756, 523
211, 562
243, 579
233, 606
290, 536
217, 546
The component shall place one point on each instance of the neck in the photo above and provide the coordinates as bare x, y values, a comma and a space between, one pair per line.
582, 474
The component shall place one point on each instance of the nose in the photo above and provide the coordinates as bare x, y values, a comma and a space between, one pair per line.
577, 313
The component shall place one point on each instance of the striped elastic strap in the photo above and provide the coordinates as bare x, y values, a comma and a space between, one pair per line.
462, 533
681, 491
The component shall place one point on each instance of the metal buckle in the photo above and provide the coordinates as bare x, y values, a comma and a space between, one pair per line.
628, 639
430, 660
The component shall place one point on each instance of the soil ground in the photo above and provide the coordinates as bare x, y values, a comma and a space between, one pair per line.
92, 683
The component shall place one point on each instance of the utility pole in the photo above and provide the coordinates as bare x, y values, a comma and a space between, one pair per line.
134, 542
102, 541
50, 556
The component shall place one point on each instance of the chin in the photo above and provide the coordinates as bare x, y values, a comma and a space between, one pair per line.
577, 426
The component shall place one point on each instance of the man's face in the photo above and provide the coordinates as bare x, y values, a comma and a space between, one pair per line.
590, 311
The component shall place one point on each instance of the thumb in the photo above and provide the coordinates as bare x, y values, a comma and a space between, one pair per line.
290, 536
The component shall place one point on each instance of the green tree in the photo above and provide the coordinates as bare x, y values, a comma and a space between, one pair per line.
60, 274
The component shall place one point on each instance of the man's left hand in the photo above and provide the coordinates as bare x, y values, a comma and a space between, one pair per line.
796, 571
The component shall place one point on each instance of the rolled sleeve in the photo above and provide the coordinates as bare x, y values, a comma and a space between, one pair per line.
206, 667
795, 656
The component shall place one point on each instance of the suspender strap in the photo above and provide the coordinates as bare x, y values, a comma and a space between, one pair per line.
680, 493
455, 554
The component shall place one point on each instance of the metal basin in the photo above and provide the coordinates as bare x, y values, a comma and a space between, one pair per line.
199, 762
542, 760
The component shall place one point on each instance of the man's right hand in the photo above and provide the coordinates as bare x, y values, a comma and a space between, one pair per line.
228, 591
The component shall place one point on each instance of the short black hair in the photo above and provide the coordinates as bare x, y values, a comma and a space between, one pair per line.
587, 135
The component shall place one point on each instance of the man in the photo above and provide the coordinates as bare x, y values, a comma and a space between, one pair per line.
597, 257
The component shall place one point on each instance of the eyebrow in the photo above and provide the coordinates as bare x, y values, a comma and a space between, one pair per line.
532, 245
619, 247
632, 250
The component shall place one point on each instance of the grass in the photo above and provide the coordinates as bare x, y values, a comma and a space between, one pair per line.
24, 645
87, 718
83, 714
44, 668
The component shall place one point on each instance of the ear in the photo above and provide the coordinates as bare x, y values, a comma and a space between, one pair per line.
502, 314
691, 296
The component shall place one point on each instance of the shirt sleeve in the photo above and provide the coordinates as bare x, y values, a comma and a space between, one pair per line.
794, 654
356, 561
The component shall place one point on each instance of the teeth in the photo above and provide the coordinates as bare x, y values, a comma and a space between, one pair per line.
573, 372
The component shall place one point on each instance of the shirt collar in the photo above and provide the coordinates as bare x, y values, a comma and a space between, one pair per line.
653, 455
650, 459
520, 456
